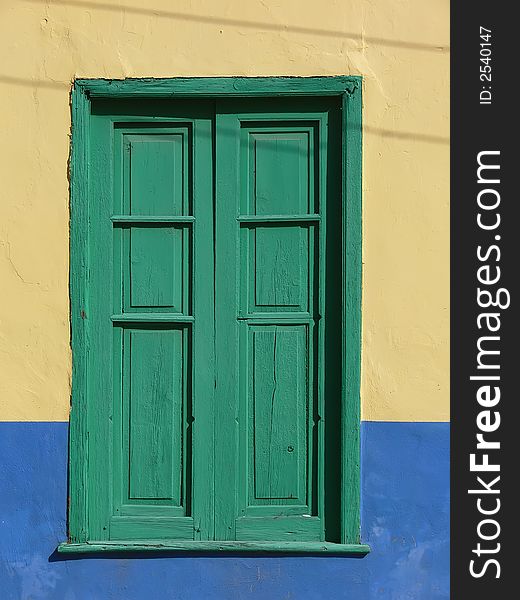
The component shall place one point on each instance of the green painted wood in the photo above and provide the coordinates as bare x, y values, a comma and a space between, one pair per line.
154, 407
277, 218
216, 546
101, 367
227, 419
154, 455
138, 219
323, 372
149, 528
79, 309
153, 182
154, 167
279, 529
281, 157
157, 260
351, 318
204, 87
155, 317
280, 263
278, 511
201, 428
277, 318
272, 268
278, 415
250, 136
146, 444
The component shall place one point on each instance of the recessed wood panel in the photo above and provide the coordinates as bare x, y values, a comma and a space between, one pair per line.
278, 412
276, 268
153, 372
155, 172
156, 264
279, 165
281, 265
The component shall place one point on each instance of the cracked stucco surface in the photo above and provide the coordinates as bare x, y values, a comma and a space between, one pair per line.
401, 49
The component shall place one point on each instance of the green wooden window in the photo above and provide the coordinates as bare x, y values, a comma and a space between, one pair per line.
215, 288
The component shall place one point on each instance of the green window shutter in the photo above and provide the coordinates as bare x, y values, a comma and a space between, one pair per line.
151, 309
213, 407
272, 162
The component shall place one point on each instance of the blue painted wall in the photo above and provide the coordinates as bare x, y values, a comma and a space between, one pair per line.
405, 518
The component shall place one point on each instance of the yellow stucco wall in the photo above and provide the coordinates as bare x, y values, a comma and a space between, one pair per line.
401, 49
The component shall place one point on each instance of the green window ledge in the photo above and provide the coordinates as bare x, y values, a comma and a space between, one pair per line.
212, 546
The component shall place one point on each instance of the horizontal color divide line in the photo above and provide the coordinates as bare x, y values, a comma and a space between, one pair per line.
406, 422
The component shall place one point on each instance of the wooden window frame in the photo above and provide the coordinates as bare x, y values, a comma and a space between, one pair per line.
348, 89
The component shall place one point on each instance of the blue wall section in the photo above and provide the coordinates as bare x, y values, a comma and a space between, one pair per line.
405, 511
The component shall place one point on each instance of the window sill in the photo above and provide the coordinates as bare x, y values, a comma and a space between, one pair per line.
212, 546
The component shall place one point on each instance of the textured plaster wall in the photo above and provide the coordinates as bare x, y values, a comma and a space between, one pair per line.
400, 48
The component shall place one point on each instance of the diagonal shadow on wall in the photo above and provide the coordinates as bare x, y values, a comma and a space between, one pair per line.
258, 25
